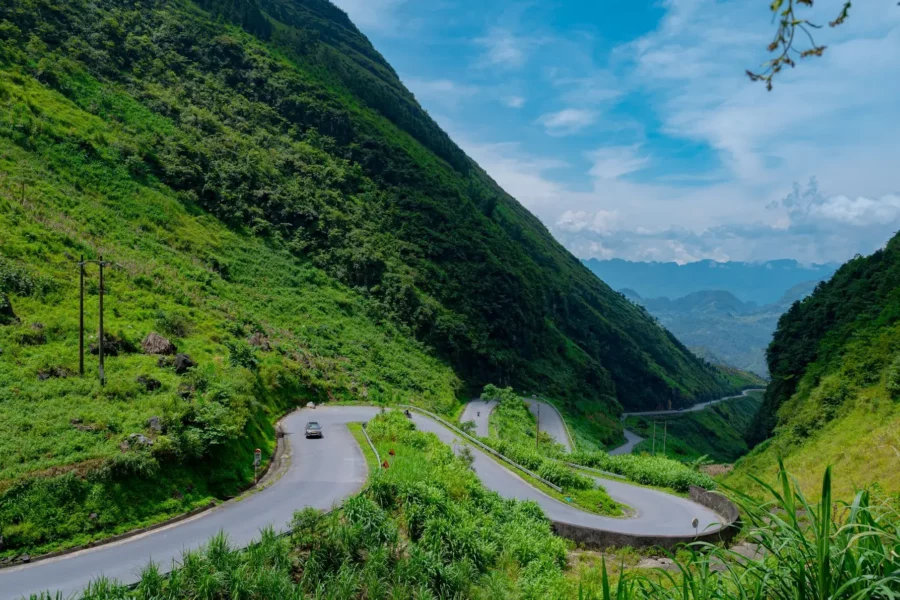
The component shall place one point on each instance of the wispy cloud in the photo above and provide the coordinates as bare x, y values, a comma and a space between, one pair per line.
503, 48
515, 101
615, 162
568, 121
440, 91
378, 15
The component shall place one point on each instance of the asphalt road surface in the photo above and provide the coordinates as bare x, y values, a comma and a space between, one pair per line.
321, 474
631, 440
550, 421
479, 411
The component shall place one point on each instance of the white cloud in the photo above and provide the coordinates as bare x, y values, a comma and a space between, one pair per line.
568, 121
739, 148
440, 91
371, 14
503, 48
615, 162
602, 221
515, 101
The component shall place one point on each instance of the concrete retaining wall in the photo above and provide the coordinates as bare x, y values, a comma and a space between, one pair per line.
599, 539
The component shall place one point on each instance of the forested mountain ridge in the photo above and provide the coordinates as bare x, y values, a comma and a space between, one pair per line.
834, 396
336, 161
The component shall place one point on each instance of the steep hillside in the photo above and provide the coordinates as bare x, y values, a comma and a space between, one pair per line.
279, 207
835, 364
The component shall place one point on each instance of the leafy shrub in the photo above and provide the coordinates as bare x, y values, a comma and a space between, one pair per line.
552, 470
172, 323
647, 470
242, 354
893, 379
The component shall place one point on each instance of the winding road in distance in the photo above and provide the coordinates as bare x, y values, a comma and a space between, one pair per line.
321, 474
632, 439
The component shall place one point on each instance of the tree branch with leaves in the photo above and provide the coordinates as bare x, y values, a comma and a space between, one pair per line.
794, 38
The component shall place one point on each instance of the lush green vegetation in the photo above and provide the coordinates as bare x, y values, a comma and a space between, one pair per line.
280, 208
511, 421
645, 469
855, 310
310, 142
716, 432
833, 394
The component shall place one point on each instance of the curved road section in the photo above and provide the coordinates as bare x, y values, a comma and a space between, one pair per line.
321, 474
550, 420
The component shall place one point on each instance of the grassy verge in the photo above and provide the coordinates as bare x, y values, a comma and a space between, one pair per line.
371, 461
594, 500
656, 471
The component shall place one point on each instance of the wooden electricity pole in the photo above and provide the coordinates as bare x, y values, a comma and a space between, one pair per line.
81, 317
100, 342
665, 431
537, 429
654, 438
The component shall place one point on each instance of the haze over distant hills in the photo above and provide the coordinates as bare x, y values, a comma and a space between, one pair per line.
762, 283
719, 327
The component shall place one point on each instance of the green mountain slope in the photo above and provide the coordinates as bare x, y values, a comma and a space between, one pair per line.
835, 364
260, 176
312, 143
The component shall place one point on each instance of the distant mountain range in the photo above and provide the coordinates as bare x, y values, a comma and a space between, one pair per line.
762, 283
719, 327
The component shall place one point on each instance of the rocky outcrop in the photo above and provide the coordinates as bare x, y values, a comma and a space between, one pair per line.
150, 384
7, 316
258, 340
157, 344
183, 364
112, 346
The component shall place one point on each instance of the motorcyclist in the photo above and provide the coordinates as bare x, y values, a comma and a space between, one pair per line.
407, 413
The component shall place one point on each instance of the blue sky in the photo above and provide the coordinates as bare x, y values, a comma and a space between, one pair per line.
631, 130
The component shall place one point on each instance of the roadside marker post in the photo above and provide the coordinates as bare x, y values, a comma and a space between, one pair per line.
257, 460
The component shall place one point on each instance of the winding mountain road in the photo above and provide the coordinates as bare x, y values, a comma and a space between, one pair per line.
632, 439
321, 474
551, 421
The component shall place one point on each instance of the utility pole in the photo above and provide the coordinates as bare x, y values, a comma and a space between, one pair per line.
654, 438
537, 429
102, 372
665, 431
81, 318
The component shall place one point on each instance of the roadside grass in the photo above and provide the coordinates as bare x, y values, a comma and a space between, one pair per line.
656, 471
426, 528
356, 429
